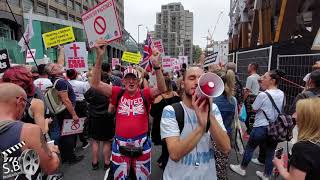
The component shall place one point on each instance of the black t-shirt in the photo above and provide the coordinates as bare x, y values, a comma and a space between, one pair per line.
305, 157
64, 85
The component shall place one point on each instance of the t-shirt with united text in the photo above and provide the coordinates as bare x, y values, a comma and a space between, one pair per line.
131, 115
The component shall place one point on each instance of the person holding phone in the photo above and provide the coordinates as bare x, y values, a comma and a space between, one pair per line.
305, 160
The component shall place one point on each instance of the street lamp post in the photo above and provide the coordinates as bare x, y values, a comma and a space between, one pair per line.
139, 33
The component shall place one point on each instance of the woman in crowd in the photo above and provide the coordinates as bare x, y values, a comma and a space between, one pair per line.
35, 109
227, 106
167, 98
259, 135
100, 124
79, 88
305, 160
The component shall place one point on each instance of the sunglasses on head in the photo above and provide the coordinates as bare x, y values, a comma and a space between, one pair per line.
25, 100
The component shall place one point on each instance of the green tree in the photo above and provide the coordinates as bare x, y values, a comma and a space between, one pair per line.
197, 51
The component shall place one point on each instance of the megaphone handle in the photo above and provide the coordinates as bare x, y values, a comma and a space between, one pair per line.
208, 121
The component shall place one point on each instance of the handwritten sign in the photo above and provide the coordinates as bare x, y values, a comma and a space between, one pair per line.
4, 60
131, 57
76, 56
102, 22
167, 63
71, 127
29, 58
57, 37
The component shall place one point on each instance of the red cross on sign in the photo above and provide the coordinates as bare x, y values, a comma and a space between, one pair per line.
40, 85
75, 47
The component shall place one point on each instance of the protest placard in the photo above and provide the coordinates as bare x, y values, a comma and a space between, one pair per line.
29, 58
115, 61
158, 44
57, 37
4, 60
76, 56
131, 57
102, 22
316, 42
167, 63
72, 127
183, 59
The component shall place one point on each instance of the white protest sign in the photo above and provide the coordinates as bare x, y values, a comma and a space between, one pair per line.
29, 58
316, 42
176, 66
76, 56
71, 127
211, 59
102, 22
183, 59
167, 63
158, 44
115, 61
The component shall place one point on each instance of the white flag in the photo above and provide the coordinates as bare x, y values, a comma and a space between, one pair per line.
28, 34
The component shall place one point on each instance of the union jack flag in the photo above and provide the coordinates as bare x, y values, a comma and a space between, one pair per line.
147, 53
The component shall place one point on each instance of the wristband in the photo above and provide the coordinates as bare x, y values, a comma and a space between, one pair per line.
156, 68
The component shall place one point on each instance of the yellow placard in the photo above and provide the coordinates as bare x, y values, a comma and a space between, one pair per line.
57, 37
131, 57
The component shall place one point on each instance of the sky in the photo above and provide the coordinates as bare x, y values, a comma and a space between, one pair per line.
205, 15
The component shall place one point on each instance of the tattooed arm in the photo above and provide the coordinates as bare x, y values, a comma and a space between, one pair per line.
33, 137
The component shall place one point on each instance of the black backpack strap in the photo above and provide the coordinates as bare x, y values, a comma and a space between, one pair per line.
119, 97
178, 109
273, 103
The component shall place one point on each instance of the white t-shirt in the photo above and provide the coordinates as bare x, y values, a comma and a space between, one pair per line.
262, 102
79, 88
42, 84
202, 154
306, 78
253, 84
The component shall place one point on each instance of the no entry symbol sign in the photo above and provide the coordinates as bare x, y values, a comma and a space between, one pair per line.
100, 25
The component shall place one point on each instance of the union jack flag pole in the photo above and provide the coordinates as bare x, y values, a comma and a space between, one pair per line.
147, 53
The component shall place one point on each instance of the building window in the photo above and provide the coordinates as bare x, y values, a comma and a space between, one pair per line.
41, 9
78, 20
70, 4
6, 32
72, 18
52, 12
63, 16
61, 1
27, 5
77, 7
14, 2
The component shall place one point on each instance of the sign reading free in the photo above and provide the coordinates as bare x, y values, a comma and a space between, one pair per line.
57, 37
102, 22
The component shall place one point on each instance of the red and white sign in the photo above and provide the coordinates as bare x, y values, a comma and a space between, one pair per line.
158, 44
76, 56
29, 58
102, 22
72, 127
175, 64
167, 63
183, 59
115, 61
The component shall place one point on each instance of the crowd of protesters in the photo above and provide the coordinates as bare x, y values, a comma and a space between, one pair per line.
196, 135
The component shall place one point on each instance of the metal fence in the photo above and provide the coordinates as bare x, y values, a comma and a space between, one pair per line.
260, 56
296, 67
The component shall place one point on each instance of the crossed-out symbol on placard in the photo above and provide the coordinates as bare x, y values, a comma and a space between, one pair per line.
75, 125
100, 25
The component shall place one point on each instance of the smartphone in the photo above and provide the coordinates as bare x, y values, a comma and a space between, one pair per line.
278, 152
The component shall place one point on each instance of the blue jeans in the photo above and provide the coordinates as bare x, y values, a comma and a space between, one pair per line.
259, 136
54, 131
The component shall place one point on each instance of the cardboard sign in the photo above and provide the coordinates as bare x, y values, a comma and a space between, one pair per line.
316, 42
158, 44
131, 57
29, 58
70, 127
4, 60
183, 59
57, 37
115, 61
76, 56
102, 22
167, 63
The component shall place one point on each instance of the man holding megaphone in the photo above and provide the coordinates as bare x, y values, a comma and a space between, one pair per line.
190, 140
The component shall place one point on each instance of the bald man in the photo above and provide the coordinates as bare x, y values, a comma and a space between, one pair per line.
12, 131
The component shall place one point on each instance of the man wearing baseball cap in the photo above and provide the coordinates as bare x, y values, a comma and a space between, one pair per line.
131, 148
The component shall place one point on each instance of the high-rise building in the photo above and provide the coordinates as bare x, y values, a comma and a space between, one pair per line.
48, 16
174, 26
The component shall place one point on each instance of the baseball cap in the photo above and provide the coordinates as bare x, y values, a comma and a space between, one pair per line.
131, 70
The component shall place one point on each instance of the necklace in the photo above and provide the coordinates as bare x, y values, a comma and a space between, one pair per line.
197, 163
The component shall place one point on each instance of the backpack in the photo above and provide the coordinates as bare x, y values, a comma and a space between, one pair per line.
53, 101
281, 129
179, 112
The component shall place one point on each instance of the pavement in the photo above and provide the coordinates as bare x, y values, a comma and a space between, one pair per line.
82, 170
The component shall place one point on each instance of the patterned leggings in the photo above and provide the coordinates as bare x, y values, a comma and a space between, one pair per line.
222, 161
